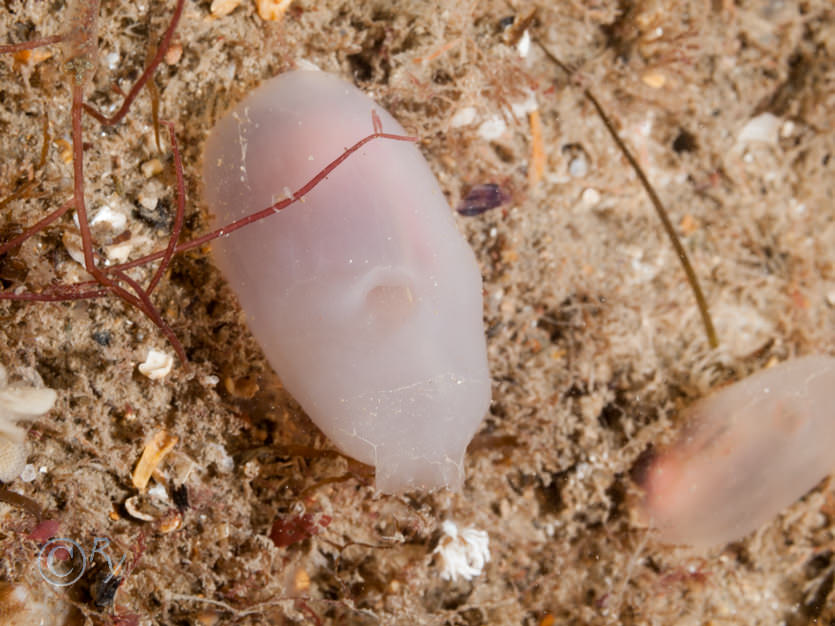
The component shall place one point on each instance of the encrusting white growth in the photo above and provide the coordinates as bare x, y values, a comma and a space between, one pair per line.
18, 403
463, 553
744, 454
364, 296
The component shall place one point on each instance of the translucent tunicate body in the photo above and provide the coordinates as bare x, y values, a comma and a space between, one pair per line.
744, 454
364, 296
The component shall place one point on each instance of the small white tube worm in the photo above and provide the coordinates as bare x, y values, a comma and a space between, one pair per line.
744, 454
364, 296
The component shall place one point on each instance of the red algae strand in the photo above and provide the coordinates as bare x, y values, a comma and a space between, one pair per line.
745, 453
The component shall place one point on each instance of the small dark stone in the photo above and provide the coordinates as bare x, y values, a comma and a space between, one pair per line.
102, 337
685, 142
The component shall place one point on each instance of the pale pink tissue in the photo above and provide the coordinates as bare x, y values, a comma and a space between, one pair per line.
365, 298
744, 454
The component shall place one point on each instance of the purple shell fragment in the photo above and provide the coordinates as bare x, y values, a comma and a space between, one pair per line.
482, 198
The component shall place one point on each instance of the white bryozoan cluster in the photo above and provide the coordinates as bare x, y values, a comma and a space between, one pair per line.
463, 553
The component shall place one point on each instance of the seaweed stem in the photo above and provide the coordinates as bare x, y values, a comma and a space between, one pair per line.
21, 502
692, 279
146, 73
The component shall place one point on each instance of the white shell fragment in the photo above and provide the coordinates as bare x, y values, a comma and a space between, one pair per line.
524, 45
364, 296
463, 553
217, 454
133, 509
492, 128
159, 493
116, 221
578, 166
72, 243
763, 128
744, 454
157, 364
221, 8
463, 117
28, 474
18, 404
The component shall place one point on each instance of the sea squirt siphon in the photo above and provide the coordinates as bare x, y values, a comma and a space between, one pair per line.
365, 298
744, 454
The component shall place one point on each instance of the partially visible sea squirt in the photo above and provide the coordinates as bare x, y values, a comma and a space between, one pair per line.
744, 454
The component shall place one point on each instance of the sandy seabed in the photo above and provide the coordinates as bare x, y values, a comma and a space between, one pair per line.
595, 342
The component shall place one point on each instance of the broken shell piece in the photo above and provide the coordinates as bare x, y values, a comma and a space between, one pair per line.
113, 220
159, 493
492, 128
763, 128
181, 467
118, 253
151, 167
272, 10
28, 474
578, 166
32, 57
221, 8
654, 79
463, 117
218, 455
524, 45
208, 380
72, 242
132, 507
157, 365
146, 508
590, 197
170, 523
160, 445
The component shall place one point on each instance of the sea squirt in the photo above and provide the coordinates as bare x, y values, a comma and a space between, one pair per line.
744, 454
365, 298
